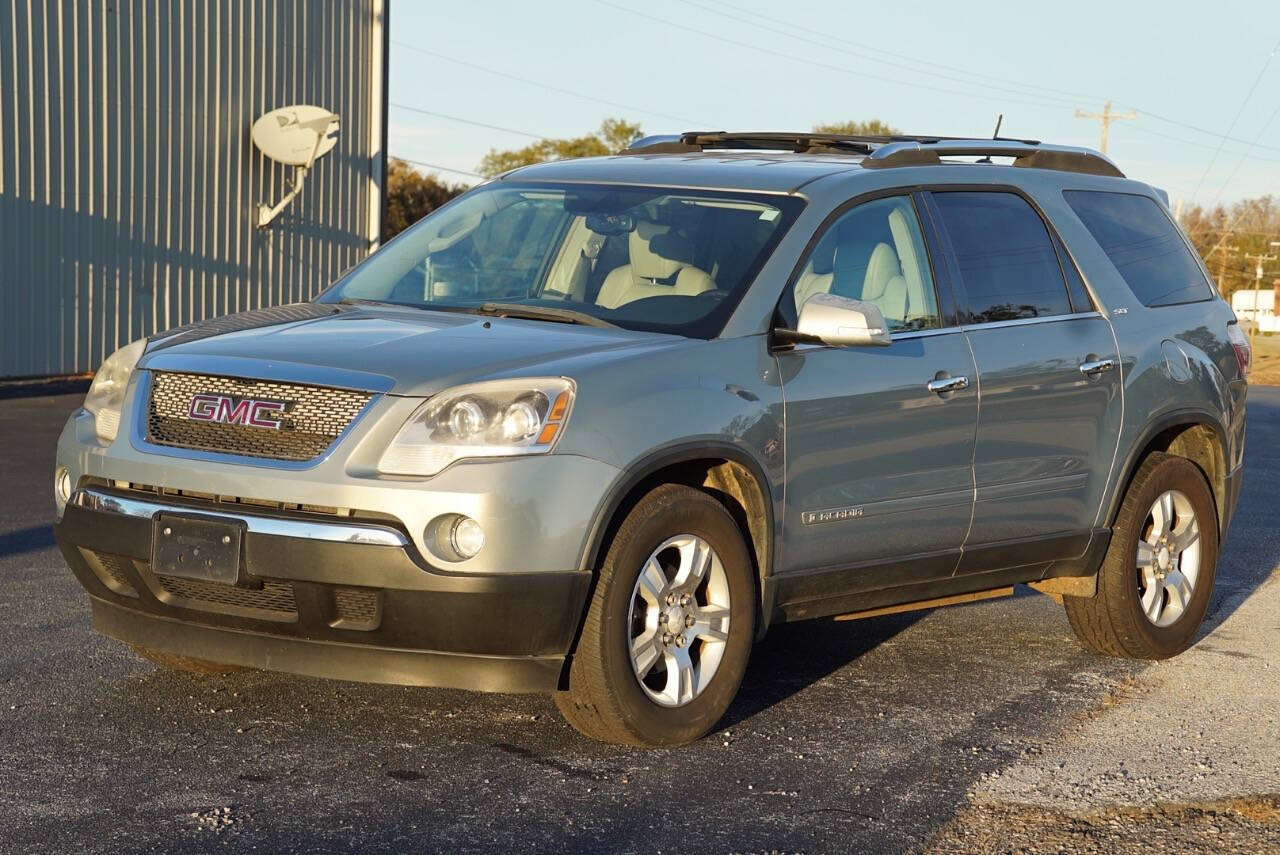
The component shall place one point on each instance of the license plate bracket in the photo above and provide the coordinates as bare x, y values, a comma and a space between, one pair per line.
197, 547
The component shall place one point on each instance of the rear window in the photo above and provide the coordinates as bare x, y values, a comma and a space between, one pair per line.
1007, 261
1143, 244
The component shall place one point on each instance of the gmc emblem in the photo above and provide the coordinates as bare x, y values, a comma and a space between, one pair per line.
245, 412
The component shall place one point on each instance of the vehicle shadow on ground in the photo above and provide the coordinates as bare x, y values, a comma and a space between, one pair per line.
793, 657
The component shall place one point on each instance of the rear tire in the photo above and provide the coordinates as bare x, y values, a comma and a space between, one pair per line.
664, 645
1157, 577
174, 662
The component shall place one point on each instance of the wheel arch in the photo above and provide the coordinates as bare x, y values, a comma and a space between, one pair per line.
727, 472
1193, 434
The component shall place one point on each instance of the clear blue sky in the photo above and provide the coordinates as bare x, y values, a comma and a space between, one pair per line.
925, 67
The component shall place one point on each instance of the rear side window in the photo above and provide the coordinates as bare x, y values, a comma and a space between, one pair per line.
1008, 264
1144, 246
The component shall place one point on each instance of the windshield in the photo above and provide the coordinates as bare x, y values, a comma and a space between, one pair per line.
644, 258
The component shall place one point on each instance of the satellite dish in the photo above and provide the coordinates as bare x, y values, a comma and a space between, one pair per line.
294, 136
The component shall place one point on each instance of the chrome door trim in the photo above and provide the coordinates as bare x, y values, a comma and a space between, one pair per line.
372, 535
1022, 322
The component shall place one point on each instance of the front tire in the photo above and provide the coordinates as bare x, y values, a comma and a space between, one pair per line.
1157, 576
670, 626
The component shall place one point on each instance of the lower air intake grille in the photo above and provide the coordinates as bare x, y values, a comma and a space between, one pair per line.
309, 418
112, 570
356, 608
273, 601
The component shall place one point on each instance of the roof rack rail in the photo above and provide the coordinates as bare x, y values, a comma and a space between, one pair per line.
802, 142
1025, 153
885, 150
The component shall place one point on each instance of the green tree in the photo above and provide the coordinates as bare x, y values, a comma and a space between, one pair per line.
411, 195
1227, 237
614, 135
866, 127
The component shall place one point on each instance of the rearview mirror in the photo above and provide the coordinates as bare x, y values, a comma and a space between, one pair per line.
842, 322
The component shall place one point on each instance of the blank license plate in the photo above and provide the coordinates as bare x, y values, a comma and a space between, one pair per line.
197, 548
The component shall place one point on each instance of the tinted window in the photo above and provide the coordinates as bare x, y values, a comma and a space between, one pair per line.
1144, 246
873, 252
647, 258
1007, 261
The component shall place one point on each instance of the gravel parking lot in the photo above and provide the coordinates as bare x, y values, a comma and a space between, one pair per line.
936, 730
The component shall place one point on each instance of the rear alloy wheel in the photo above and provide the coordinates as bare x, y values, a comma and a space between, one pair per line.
1157, 576
670, 625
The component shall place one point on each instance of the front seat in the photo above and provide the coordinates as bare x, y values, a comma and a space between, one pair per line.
884, 283
661, 265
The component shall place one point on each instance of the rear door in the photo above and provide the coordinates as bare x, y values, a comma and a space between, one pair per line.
1049, 381
878, 466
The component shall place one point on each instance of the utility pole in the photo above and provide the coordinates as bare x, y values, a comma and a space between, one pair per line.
1257, 286
1222, 267
1106, 117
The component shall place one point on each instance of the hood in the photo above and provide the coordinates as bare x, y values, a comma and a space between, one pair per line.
400, 351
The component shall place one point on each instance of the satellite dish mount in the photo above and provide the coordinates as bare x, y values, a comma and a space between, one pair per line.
295, 136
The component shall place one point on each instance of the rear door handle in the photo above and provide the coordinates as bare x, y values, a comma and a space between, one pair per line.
1097, 366
943, 385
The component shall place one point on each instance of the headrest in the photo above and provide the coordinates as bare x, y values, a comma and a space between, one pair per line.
656, 252
881, 267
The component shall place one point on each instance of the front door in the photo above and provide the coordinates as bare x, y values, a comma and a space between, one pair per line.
878, 465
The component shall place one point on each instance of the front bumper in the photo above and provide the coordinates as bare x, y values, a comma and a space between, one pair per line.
353, 608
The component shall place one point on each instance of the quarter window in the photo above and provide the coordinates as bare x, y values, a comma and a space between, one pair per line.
1143, 244
874, 252
1007, 260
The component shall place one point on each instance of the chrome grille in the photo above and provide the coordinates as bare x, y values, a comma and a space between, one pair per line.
315, 417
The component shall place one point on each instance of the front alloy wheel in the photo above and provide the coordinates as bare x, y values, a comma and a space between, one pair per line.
679, 620
670, 625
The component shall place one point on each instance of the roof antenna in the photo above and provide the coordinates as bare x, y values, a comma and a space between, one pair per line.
994, 136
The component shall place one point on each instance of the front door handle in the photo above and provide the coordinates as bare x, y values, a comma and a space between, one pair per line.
1094, 367
943, 385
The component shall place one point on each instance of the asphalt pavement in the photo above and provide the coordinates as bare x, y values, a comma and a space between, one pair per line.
860, 736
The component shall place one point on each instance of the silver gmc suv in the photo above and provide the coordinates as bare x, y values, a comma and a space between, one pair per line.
593, 426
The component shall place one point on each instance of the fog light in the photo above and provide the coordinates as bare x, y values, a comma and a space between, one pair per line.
467, 537
62, 485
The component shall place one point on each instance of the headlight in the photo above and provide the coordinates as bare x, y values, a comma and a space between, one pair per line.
106, 394
496, 418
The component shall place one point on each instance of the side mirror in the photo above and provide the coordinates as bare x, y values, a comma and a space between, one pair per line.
840, 321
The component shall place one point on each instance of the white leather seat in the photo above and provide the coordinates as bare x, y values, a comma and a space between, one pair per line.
650, 273
918, 306
884, 283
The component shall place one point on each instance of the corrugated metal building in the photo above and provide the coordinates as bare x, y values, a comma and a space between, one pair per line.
128, 180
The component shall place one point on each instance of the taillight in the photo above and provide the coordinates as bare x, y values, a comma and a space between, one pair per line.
1244, 353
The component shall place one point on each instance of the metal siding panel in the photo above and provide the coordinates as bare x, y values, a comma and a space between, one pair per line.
128, 181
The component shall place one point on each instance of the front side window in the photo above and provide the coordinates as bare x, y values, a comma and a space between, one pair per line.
1143, 245
657, 259
874, 252
1008, 264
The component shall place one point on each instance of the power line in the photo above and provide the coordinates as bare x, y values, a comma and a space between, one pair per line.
541, 85
412, 109
423, 163
1261, 73
861, 75
901, 65
1069, 94
1245, 154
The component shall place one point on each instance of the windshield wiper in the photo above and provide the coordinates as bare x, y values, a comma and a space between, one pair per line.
544, 313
